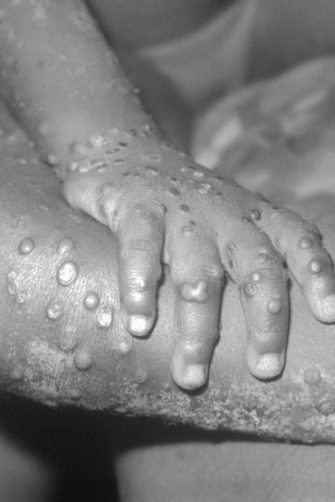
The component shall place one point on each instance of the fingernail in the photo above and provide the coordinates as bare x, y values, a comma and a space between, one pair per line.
195, 376
139, 325
269, 365
328, 308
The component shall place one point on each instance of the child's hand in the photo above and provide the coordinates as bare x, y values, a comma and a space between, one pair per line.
166, 210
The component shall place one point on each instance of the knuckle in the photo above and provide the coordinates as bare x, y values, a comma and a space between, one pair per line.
269, 258
199, 342
131, 253
213, 271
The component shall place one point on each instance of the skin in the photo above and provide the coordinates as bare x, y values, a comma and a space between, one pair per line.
163, 208
218, 456
60, 287
299, 406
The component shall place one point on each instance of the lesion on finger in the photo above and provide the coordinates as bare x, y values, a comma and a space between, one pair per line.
267, 335
308, 256
195, 291
264, 298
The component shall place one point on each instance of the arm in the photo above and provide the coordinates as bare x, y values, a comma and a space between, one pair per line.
60, 347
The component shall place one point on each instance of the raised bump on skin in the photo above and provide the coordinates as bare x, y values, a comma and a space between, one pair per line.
264, 258
315, 267
195, 292
105, 318
125, 346
26, 246
326, 407
205, 188
97, 141
256, 276
65, 246
67, 273
109, 204
250, 289
305, 243
55, 309
274, 306
91, 300
312, 376
163, 208
74, 394
140, 284
52, 160
82, 360
255, 214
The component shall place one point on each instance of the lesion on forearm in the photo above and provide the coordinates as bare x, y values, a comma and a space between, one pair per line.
60, 77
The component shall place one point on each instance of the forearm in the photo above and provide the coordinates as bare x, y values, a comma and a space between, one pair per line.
76, 352
60, 77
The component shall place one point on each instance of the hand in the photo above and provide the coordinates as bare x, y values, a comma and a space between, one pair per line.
164, 209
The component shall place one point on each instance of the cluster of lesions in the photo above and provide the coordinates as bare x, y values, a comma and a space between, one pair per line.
57, 308
101, 154
128, 158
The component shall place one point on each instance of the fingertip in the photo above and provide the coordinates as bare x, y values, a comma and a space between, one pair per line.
320, 294
192, 377
266, 366
328, 309
195, 376
138, 325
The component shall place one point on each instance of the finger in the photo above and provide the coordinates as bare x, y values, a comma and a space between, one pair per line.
140, 243
307, 260
257, 267
197, 277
